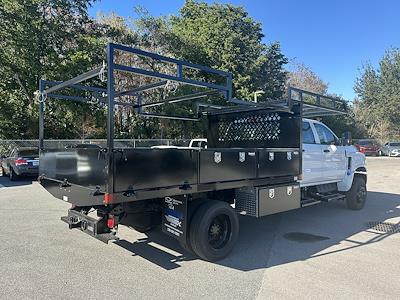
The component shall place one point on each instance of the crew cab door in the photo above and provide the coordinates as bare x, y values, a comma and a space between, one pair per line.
313, 157
334, 156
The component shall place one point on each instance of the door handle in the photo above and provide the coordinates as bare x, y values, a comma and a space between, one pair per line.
326, 150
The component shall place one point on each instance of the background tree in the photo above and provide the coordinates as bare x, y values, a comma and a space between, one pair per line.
55, 39
39, 39
226, 37
220, 36
378, 90
304, 78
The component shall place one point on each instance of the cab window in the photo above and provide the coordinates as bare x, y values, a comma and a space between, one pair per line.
326, 136
308, 135
196, 144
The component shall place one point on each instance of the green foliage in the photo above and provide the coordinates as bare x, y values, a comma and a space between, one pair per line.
378, 90
303, 77
226, 37
348, 122
56, 40
40, 39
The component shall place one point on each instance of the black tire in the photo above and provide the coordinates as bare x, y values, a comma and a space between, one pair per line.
357, 195
193, 206
214, 230
186, 246
13, 175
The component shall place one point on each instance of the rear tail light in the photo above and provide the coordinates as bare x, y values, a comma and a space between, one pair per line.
20, 162
111, 222
108, 198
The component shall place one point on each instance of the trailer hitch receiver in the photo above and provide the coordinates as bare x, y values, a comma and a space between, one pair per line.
100, 229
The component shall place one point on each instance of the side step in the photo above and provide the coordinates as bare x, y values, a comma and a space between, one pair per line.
328, 197
309, 201
95, 228
319, 197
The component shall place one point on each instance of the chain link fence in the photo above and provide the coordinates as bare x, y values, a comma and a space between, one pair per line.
7, 145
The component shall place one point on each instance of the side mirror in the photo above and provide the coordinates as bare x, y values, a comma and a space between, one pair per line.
347, 139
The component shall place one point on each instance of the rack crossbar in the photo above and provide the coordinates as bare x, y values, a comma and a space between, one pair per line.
152, 74
85, 76
77, 86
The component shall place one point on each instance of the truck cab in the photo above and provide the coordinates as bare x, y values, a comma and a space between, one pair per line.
326, 159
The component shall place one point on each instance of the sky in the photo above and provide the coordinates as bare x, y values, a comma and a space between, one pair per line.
335, 38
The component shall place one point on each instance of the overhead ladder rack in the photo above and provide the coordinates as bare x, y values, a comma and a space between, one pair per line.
312, 104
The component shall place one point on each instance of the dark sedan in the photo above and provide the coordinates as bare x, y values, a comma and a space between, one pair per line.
21, 162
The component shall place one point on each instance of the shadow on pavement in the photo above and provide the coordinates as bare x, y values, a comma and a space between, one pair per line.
6, 182
167, 256
291, 236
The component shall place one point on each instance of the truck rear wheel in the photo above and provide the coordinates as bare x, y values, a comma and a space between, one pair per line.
357, 195
214, 230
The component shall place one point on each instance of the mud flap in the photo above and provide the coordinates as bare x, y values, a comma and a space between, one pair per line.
174, 220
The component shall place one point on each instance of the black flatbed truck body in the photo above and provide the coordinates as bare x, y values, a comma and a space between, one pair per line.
80, 175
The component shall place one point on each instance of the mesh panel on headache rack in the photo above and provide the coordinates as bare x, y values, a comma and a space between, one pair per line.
260, 128
250, 128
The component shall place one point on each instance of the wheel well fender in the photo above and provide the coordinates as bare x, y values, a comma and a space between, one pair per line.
361, 172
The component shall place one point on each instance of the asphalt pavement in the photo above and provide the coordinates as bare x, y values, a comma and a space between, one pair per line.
319, 251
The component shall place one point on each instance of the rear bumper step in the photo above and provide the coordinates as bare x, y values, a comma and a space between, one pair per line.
96, 228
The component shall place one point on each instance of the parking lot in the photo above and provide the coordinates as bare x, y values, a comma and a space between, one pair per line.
319, 251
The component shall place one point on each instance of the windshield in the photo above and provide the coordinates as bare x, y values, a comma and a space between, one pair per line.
32, 152
365, 143
394, 144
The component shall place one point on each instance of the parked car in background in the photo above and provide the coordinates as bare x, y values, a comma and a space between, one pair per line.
391, 149
194, 143
198, 143
368, 147
21, 162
